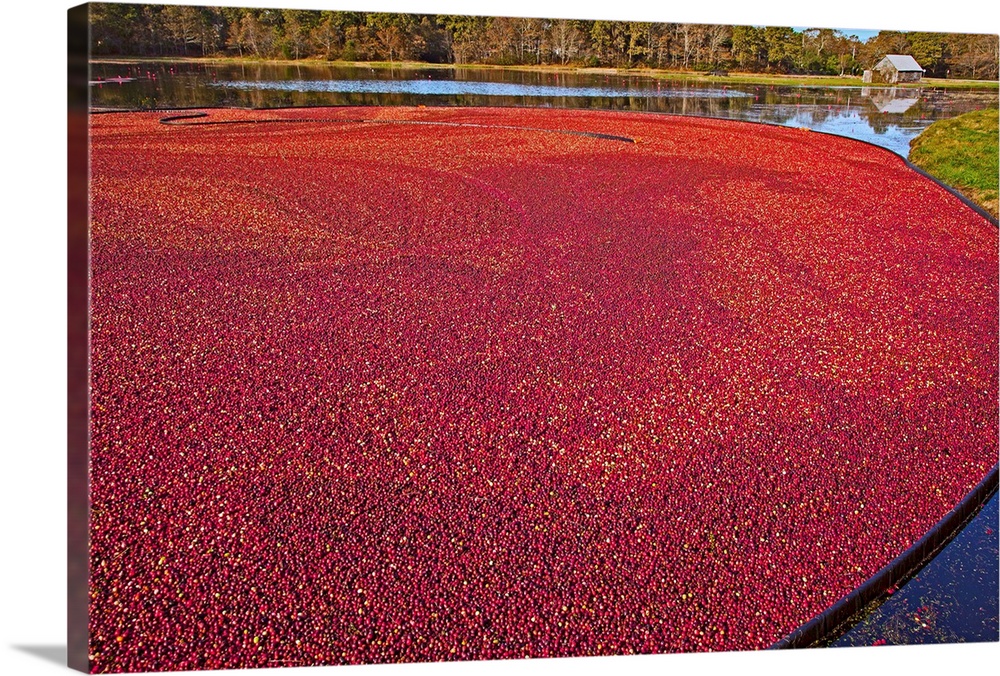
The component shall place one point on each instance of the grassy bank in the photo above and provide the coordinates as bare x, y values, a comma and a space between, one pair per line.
731, 78
963, 152
813, 80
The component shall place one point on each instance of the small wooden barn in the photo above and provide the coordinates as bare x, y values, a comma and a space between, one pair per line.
895, 68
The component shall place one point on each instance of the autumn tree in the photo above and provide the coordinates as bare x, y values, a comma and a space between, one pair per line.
468, 34
567, 40
689, 39
716, 38
158, 30
846, 49
528, 38
328, 35
976, 56
660, 41
502, 40
184, 25
295, 31
254, 36
885, 42
392, 33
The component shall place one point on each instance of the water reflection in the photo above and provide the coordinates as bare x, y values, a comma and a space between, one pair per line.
891, 100
431, 87
886, 117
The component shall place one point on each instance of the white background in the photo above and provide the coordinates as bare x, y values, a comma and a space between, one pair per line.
33, 250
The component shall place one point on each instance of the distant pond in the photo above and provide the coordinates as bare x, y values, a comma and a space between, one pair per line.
890, 118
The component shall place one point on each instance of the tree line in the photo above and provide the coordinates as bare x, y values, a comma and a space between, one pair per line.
171, 30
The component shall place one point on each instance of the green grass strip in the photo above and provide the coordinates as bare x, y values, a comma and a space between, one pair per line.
963, 152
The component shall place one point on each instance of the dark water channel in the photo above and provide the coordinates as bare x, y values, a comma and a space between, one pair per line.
953, 599
886, 117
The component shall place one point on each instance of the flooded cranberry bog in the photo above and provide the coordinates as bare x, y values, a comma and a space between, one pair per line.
407, 384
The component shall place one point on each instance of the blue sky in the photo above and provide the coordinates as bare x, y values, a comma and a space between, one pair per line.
863, 34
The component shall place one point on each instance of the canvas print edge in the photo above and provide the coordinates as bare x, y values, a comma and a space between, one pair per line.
78, 503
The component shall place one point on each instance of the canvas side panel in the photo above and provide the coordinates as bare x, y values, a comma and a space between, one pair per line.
78, 352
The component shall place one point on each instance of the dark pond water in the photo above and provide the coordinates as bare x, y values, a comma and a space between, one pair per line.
886, 117
953, 599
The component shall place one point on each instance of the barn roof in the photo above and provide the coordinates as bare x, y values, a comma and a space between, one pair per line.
903, 62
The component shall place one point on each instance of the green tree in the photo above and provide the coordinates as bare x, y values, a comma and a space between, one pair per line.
155, 30
467, 44
188, 27
609, 40
327, 36
846, 49
818, 51
122, 29
638, 42
749, 48
430, 43
782, 47
296, 29
930, 51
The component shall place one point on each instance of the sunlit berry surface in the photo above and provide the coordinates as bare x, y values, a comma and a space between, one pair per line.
401, 384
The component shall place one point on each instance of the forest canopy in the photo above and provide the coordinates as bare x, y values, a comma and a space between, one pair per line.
172, 31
